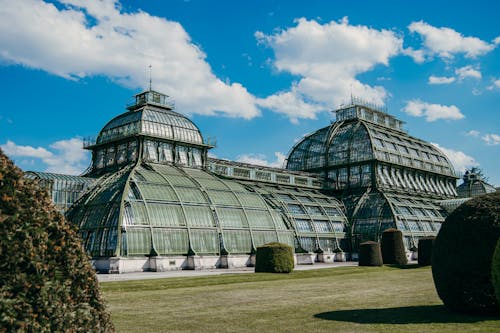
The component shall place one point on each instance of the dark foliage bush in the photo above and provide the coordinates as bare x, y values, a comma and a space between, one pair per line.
495, 271
46, 281
393, 248
274, 258
370, 254
462, 255
425, 245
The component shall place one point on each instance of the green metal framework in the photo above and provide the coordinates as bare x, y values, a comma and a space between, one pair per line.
385, 177
474, 184
171, 210
156, 195
63, 189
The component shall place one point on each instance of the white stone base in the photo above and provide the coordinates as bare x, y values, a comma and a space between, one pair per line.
414, 255
117, 265
251, 261
325, 257
202, 262
243, 260
340, 257
163, 264
331, 257
305, 258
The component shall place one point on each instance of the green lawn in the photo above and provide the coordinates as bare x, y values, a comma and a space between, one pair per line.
347, 299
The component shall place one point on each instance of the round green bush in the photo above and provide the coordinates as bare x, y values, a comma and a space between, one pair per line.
370, 254
425, 245
495, 271
393, 248
274, 258
462, 256
46, 281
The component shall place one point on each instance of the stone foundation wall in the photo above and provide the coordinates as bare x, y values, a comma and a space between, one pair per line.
118, 265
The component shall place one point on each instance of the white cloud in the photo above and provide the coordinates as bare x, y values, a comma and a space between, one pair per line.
292, 104
87, 38
432, 112
327, 58
446, 42
468, 71
417, 55
491, 139
441, 80
10, 148
459, 159
495, 84
473, 133
65, 156
260, 159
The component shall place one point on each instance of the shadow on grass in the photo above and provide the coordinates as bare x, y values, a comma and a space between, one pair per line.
404, 315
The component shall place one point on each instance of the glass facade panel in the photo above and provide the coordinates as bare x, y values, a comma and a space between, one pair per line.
170, 241
204, 241
237, 241
304, 225
229, 217
199, 216
260, 219
164, 215
263, 237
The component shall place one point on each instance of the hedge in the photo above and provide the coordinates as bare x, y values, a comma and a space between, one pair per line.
425, 245
495, 271
46, 281
462, 256
370, 254
393, 248
274, 258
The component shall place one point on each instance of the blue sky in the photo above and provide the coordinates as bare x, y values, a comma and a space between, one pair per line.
255, 75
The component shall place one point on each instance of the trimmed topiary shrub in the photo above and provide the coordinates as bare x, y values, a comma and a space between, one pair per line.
462, 256
495, 272
425, 245
274, 258
46, 281
393, 248
370, 254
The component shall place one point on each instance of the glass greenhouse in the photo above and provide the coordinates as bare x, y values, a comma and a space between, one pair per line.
153, 200
64, 190
474, 184
159, 202
385, 177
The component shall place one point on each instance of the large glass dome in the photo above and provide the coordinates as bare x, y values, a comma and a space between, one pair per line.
385, 177
151, 115
366, 148
149, 131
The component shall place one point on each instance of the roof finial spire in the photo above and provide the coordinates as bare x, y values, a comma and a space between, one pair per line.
150, 77
352, 102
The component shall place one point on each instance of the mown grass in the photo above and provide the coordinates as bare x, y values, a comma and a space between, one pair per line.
347, 299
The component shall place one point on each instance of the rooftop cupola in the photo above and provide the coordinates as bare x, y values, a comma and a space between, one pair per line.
377, 114
151, 131
153, 98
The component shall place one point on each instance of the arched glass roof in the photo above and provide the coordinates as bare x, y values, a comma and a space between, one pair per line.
169, 210
415, 216
474, 184
49, 176
63, 189
152, 121
347, 142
